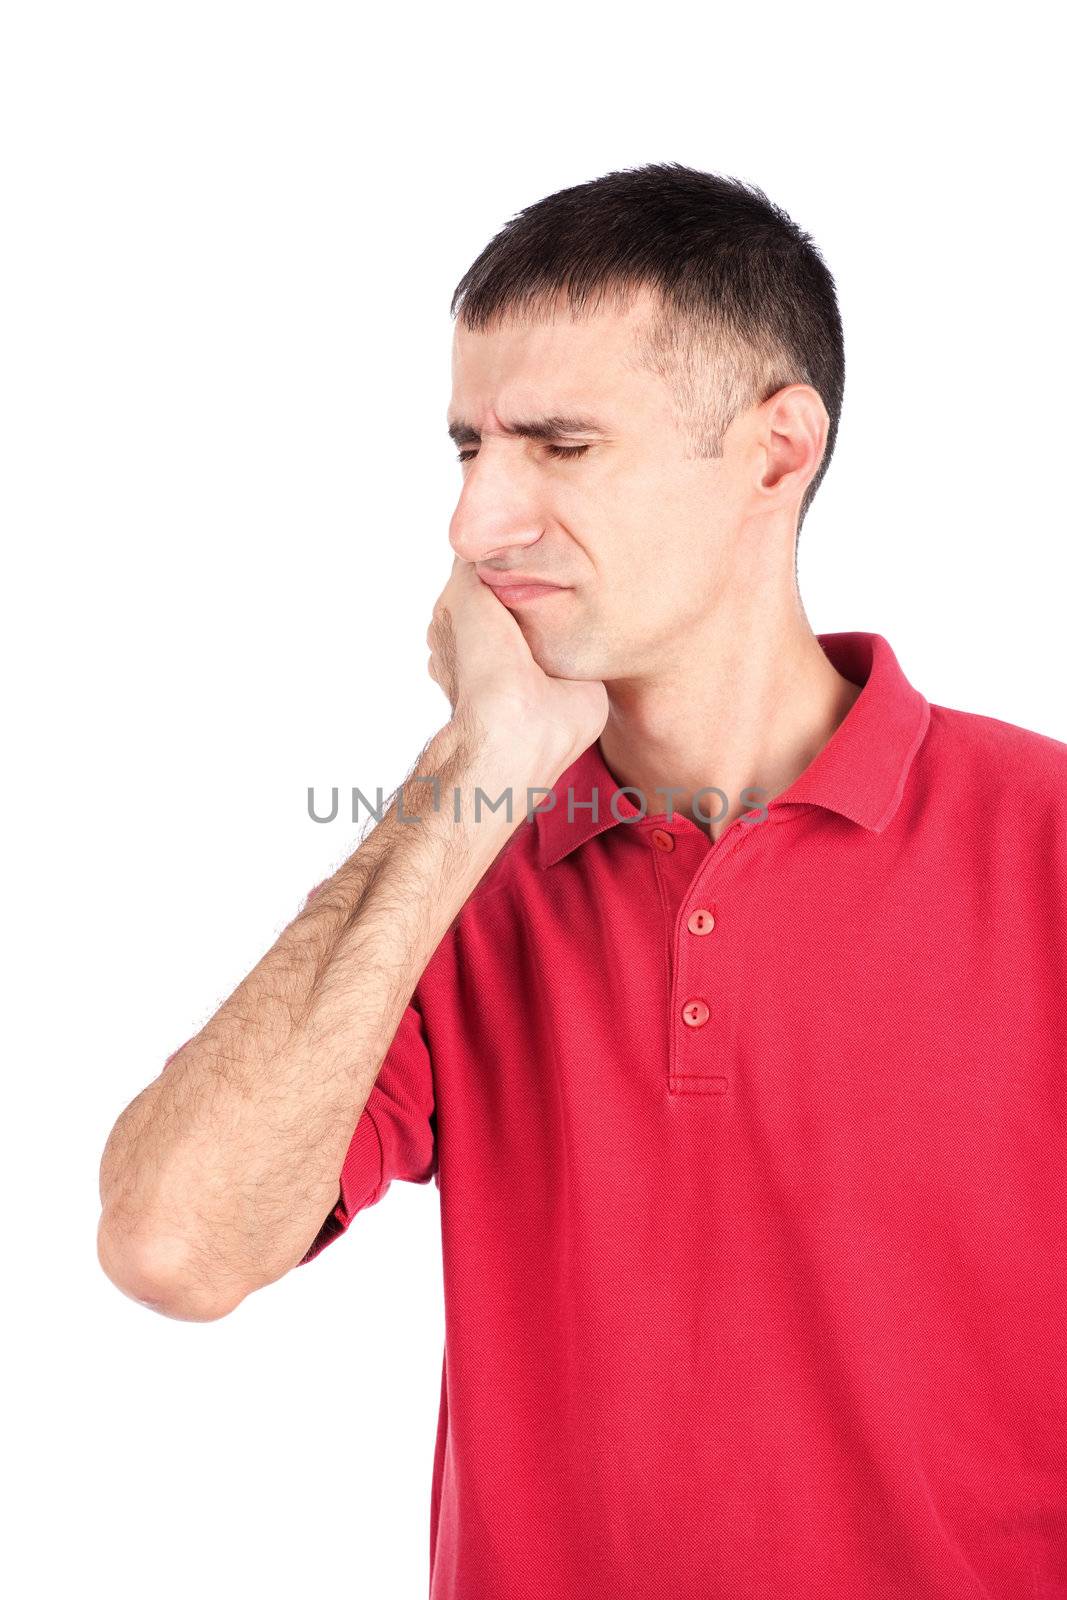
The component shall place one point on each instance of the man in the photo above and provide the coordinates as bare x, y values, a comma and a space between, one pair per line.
739, 1061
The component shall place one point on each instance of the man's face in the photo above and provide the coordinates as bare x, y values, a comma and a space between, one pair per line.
642, 538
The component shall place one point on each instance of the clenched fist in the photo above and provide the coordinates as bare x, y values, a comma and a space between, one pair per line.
480, 658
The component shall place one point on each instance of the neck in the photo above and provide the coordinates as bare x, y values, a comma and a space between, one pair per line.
746, 704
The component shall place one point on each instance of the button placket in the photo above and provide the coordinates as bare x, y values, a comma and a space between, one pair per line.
697, 1044
698, 1041
696, 1010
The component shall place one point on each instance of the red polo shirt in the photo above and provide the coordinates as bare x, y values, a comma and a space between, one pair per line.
752, 1160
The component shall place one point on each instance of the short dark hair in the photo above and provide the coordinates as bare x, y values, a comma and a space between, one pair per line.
747, 303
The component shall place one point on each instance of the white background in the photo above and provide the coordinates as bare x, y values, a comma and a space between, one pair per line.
231, 235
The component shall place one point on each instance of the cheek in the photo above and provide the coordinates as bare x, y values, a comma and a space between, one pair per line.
663, 597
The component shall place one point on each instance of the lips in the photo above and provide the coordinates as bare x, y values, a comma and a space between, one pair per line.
516, 580
519, 591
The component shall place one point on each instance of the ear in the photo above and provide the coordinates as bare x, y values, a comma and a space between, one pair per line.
794, 429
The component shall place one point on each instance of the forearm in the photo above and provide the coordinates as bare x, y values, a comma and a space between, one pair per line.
216, 1177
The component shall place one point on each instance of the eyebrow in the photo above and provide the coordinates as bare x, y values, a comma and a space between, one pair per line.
545, 429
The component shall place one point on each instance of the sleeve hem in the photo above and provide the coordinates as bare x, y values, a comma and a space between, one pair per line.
360, 1185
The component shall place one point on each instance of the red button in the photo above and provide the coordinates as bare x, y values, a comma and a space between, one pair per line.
695, 1013
701, 921
662, 839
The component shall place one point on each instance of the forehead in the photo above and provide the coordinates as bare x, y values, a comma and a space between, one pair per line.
559, 361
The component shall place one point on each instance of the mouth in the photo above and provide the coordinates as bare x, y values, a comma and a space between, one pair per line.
523, 592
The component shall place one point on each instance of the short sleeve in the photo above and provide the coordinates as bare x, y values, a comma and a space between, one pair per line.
395, 1136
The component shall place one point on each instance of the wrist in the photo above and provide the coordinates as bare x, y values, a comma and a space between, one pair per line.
511, 744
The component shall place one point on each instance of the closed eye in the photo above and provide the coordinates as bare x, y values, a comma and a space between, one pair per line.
560, 452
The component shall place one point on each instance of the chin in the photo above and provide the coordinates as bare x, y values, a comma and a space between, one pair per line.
560, 658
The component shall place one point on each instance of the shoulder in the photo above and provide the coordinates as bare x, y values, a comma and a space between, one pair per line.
970, 736
1002, 764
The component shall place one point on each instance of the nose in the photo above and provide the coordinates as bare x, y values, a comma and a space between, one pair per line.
492, 516
483, 543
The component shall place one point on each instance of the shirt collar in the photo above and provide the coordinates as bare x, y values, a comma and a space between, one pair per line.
859, 773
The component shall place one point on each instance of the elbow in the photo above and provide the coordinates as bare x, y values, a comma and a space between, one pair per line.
155, 1273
